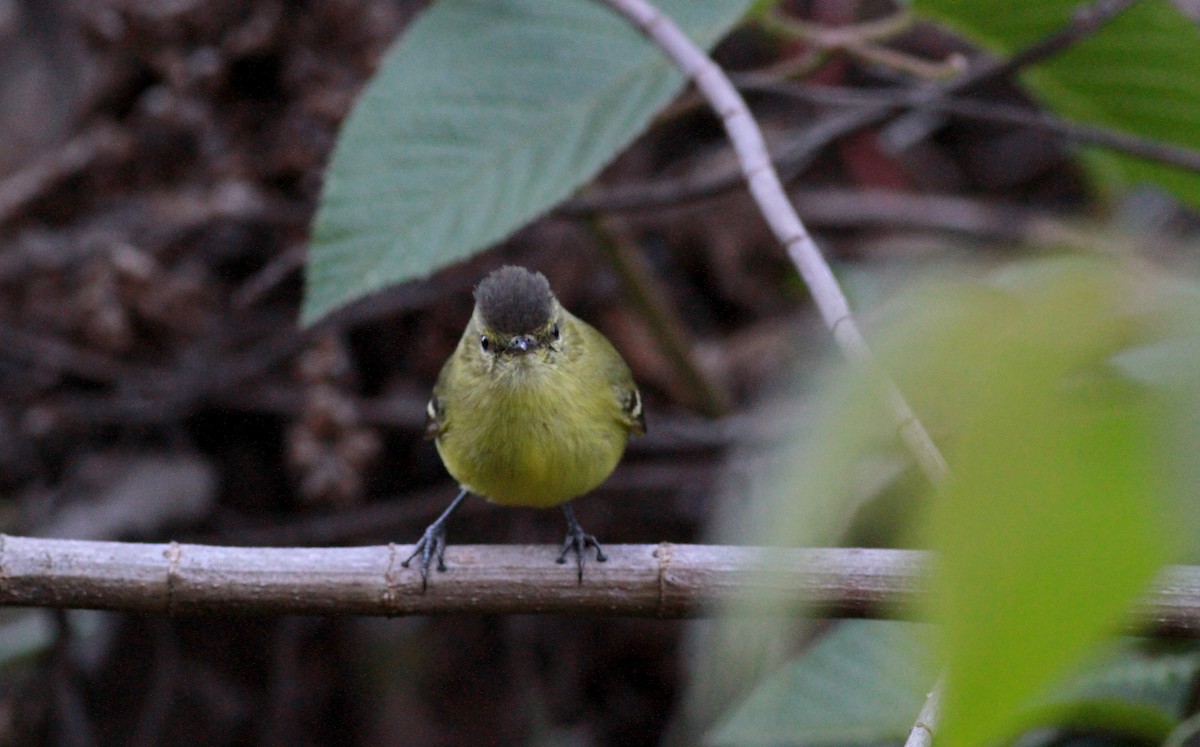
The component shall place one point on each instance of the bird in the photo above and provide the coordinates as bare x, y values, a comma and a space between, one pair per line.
533, 408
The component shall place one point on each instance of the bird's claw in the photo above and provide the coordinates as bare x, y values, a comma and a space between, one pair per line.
578, 541
431, 545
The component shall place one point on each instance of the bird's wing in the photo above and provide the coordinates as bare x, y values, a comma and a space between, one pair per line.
435, 410
618, 375
631, 406
621, 379
435, 416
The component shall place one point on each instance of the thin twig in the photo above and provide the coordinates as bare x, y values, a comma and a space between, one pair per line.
1087, 134
865, 208
80, 153
50, 353
1150, 149
768, 192
269, 277
862, 40
793, 154
875, 30
1085, 22
927, 720
668, 329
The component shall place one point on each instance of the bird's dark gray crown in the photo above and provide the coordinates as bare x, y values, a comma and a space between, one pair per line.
514, 300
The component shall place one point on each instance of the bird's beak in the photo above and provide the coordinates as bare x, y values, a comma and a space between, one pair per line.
521, 344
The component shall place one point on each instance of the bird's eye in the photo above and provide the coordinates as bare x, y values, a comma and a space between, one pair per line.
554, 331
484, 343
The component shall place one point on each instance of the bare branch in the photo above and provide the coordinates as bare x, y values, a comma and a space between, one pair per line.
1018, 116
664, 580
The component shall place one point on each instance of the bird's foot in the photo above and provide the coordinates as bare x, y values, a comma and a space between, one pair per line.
431, 545
578, 541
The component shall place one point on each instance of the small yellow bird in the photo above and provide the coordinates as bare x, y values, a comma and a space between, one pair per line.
533, 408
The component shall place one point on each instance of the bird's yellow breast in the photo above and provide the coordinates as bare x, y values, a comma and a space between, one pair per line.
536, 435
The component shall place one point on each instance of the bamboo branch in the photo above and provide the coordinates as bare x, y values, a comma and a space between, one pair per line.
664, 580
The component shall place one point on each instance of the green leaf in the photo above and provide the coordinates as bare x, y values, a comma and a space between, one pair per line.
1138, 722
1150, 673
484, 115
1136, 75
863, 683
1054, 517
1140, 689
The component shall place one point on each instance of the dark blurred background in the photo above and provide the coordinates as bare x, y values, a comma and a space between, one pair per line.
159, 163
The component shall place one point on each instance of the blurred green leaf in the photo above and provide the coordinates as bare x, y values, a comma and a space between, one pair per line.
1064, 499
1054, 517
484, 115
1136, 75
1057, 388
862, 683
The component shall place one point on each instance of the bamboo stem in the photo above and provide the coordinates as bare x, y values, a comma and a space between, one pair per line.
664, 580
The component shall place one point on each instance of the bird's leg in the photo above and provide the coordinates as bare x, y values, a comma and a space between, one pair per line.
433, 543
577, 541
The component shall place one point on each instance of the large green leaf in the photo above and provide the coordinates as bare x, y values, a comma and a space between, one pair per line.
483, 116
863, 683
1138, 74
1054, 517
